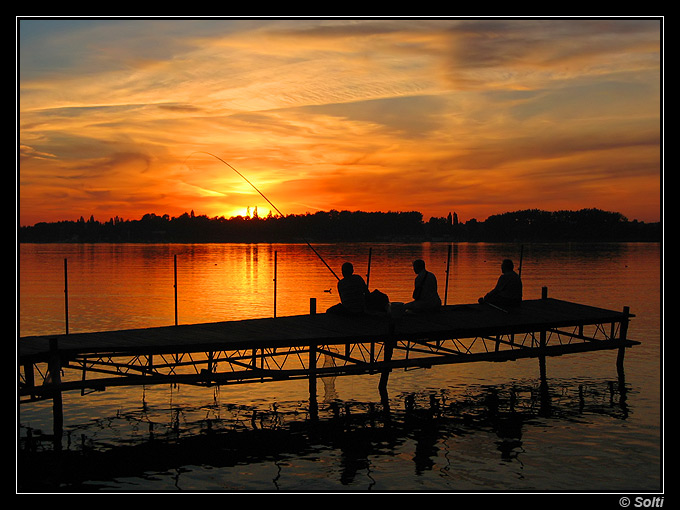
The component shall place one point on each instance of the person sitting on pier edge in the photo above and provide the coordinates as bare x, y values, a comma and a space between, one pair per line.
353, 292
425, 295
508, 290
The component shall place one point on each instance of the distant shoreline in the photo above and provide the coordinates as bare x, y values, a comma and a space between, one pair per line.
350, 226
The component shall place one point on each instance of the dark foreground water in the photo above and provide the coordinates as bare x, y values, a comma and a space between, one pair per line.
481, 428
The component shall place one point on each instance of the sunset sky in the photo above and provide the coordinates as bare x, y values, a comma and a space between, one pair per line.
477, 117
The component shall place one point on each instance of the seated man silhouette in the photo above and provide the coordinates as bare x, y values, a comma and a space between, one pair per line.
508, 289
353, 292
425, 295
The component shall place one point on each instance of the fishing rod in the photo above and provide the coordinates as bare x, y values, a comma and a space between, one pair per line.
496, 307
268, 201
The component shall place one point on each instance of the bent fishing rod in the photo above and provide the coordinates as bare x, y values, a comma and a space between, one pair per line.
269, 202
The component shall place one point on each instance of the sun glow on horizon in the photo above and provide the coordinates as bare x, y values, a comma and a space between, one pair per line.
248, 212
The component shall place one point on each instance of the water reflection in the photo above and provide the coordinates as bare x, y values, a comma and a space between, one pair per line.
455, 438
121, 286
150, 444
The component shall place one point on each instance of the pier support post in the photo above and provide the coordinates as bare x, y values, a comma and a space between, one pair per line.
542, 344
368, 270
55, 381
66, 294
448, 268
623, 334
387, 357
541, 356
175, 287
313, 407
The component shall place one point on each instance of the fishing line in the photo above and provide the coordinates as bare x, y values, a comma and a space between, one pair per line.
268, 201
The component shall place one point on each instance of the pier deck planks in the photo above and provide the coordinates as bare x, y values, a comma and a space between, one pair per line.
454, 321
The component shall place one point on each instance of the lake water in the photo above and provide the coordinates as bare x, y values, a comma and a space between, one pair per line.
593, 433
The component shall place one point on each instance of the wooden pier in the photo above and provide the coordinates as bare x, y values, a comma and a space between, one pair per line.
311, 346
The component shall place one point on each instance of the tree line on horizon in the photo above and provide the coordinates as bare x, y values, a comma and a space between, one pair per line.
339, 226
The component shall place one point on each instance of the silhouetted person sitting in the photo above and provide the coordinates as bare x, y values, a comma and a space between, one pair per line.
508, 290
353, 292
425, 295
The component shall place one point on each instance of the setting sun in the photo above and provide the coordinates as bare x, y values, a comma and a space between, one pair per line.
248, 212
